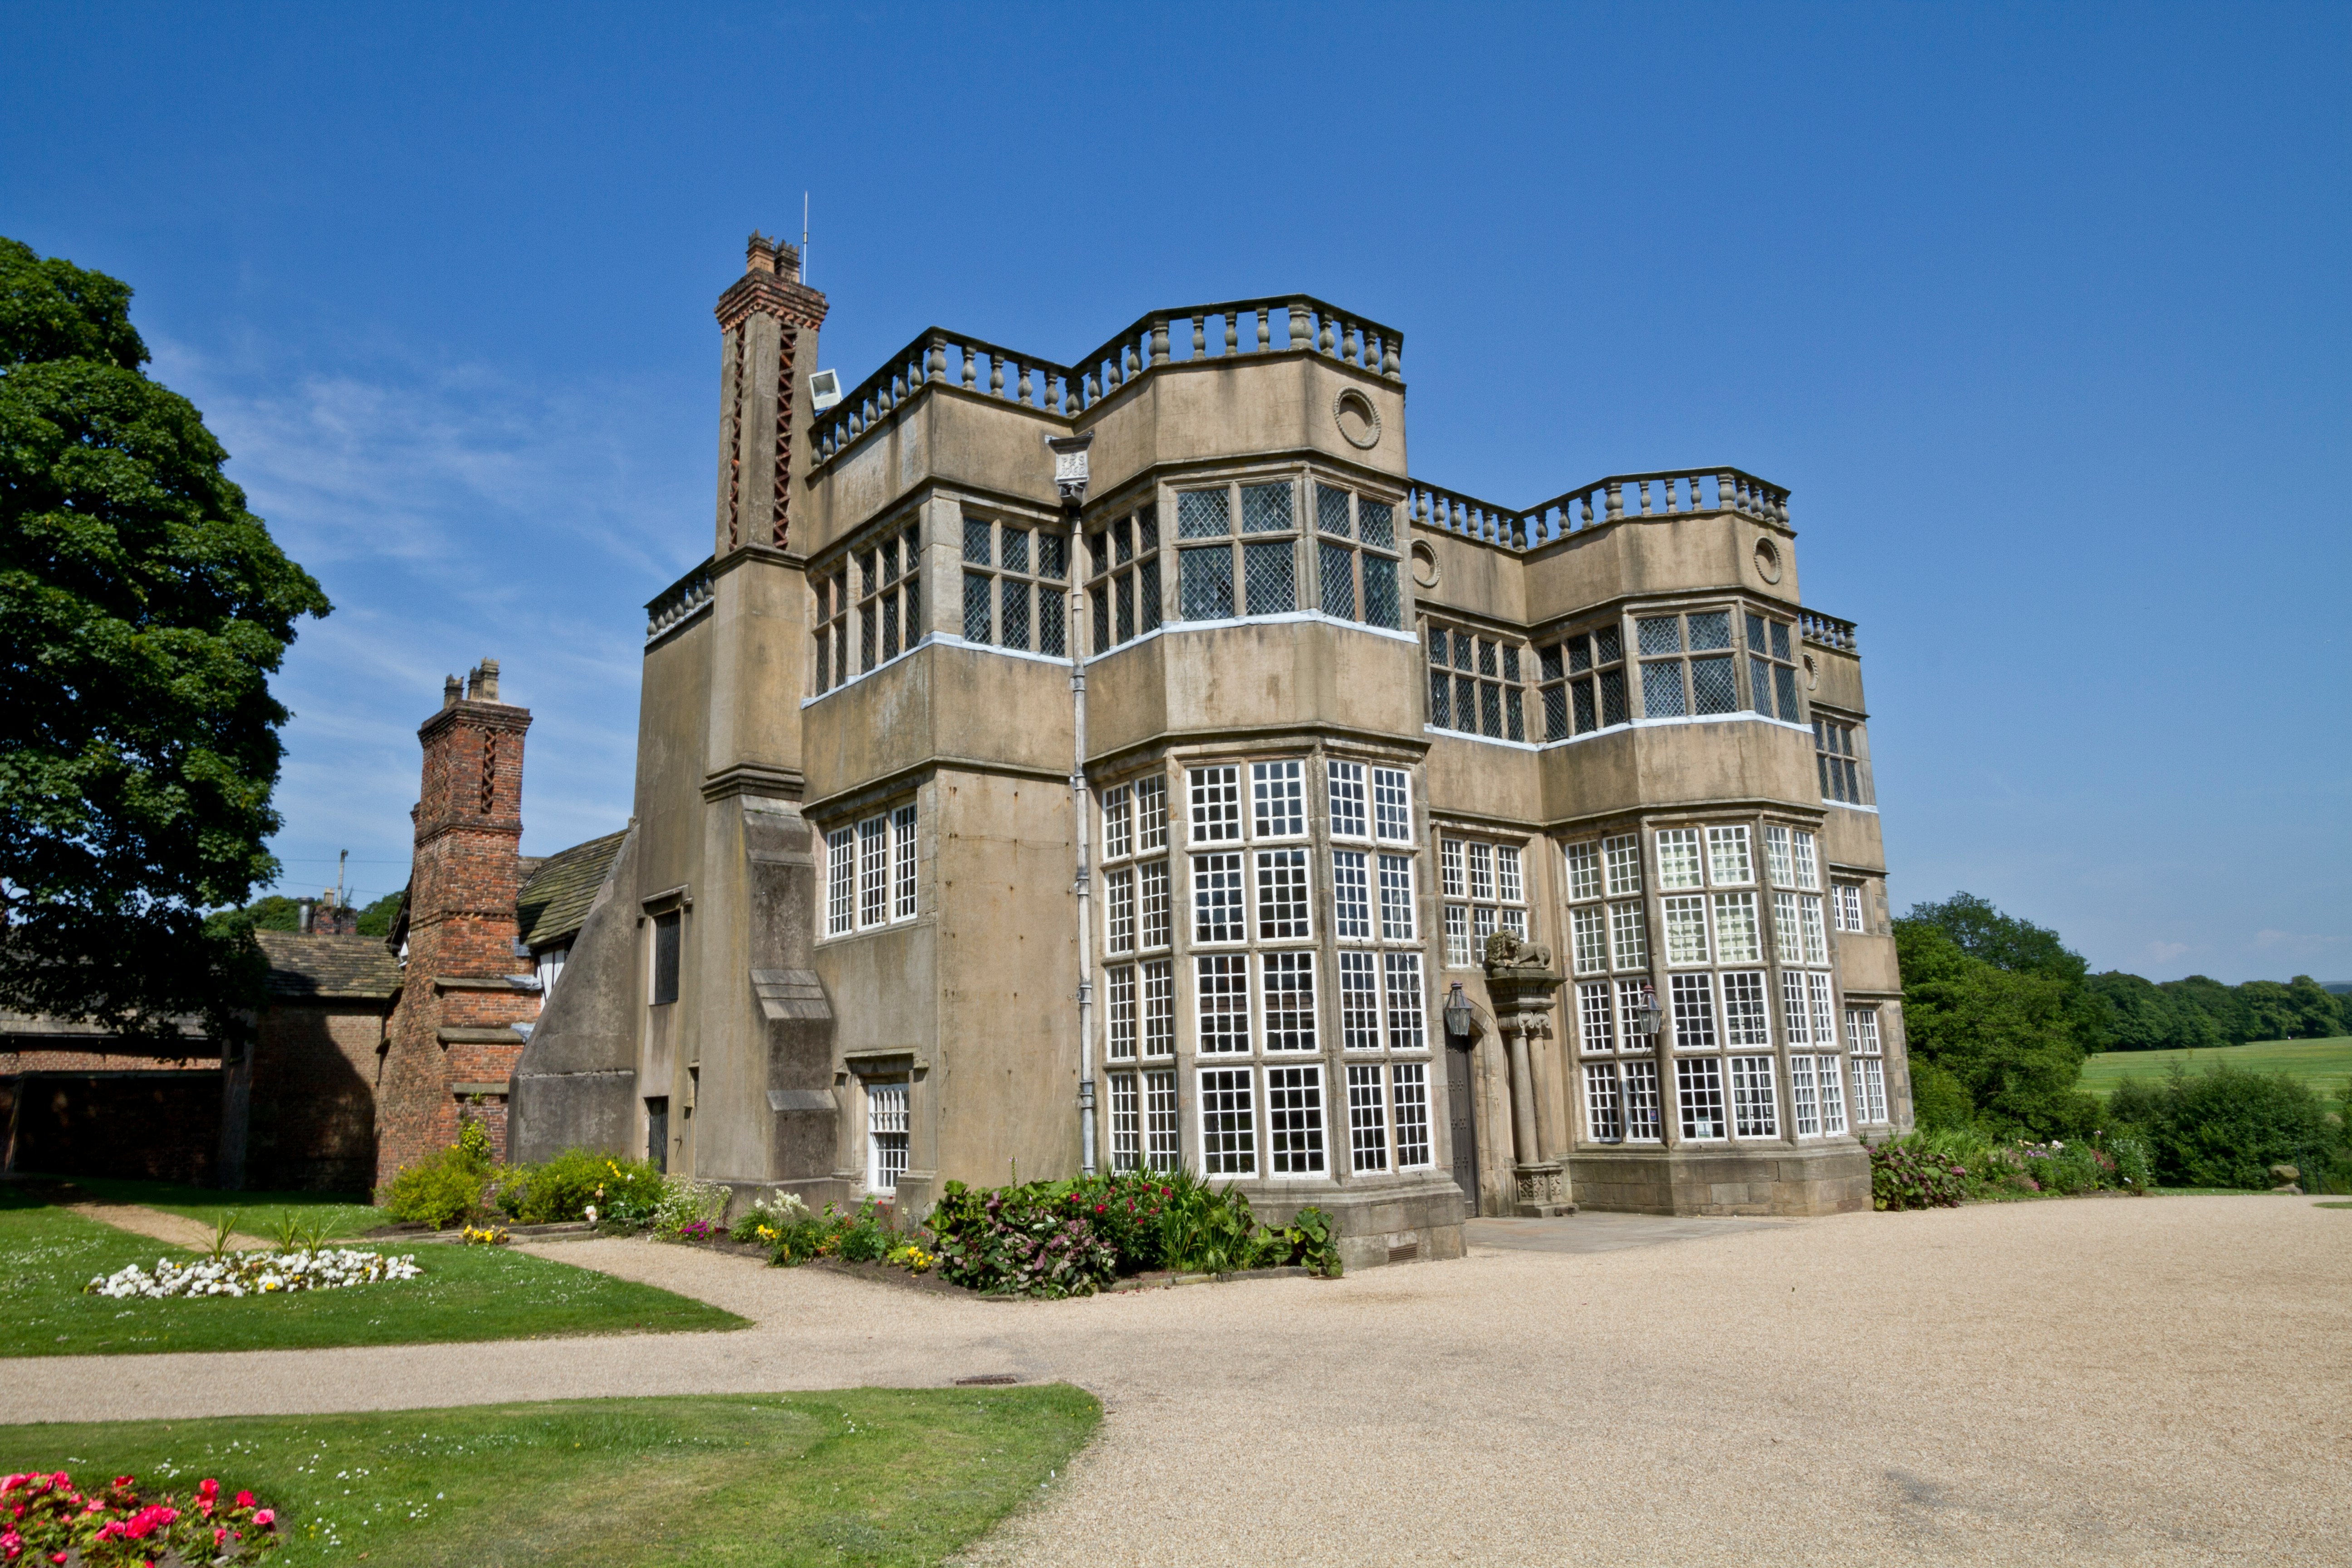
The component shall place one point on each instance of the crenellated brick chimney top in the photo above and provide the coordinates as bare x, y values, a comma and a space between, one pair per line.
772, 256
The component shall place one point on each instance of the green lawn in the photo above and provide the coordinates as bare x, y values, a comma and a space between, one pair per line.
2323, 1064
865, 1476
47, 1255
258, 1214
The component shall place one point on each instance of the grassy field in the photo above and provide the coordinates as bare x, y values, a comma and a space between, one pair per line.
344, 1215
47, 1255
2323, 1064
865, 1476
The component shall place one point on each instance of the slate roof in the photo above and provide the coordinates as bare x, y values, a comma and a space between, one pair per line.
555, 896
318, 967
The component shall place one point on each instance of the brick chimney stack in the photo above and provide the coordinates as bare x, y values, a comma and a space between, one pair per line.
450, 1039
770, 319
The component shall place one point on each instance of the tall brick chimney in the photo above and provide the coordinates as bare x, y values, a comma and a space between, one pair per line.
450, 1040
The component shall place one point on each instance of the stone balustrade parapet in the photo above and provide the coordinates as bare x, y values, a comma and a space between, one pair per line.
678, 603
1674, 492
1158, 338
1827, 631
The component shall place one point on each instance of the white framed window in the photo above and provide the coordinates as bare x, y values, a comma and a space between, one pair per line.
1685, 921
1622, 853
1629, 936
902, 860
1642, 1109
1588, 939
1754, 1113
1862, 1031
1278, 799
1678, 859
1808, 920
1747, 1009
1159, 1011
1633, 997
886, 1135
1483, 924
1801, 847
1351, 907
1779, 863
1126, 1123
1294, 1120
1832, 1089
1119, 910
1345, 782
1596, 1029
1817, 988
1482, 871
1283, 896
1396, 898
1120, 986
1849, 905
1406, 1009
1788, 930
1450, 881
1157, 924
1795, 1020
1221, 1002
1368, 1116
1216, 817
1150, 814
1699, 1092
1392, 806
874, 872
1510, 885
1162, 1137
1735, 937
1411, 1083
1491, 875
1119, 822
1728, 861
1457, 936
1217, 915
1228, 1122
1359, 1002
1804, 1107
1584, 870
1869, 1091
1694, 1009
841, 881
1604, 1104
1288, 998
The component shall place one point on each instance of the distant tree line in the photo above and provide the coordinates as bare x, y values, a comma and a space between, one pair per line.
2199, 1013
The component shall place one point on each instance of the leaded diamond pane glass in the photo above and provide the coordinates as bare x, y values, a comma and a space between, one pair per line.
1337, 564
1555, 701
1661, 634
1331, 510
1515, 722
975, 541
1712, 686
1122, 541
1014, 620
1712, 630
1206, 582
1016, 549
1585, 722
1053, 617
1203, 514
1270, 573
1580, 654
1784, 681
1102, 617
1053, 556
1123, 598
1490, 708
1780, 641
1547, 661
1613, 707
1461, 650
1485, 656
1378, 521
1382, 606
976, 595
1756, 634
1760, 680
1147, 529
1265, 509
1147, 595
1608, 645
1662, 689
1465, 704
1440, 699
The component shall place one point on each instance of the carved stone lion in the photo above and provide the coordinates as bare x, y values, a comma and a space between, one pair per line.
1505, 950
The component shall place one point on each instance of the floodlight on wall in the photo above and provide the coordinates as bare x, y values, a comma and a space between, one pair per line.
825, 389
1457, 1012
1070, 465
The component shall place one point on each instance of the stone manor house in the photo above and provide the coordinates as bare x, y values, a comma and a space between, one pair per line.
1004, 802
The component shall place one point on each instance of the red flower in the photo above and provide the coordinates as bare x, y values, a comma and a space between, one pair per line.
208, 1488
245, 1499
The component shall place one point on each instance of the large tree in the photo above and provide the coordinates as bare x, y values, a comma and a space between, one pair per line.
144, 609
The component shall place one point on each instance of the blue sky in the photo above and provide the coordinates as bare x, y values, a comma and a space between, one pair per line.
2041, 312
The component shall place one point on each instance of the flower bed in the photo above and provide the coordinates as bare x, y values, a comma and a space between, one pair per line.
256, 1274
47, 1517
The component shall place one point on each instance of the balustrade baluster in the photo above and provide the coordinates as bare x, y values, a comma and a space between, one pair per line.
1390, 349
997, 375
1159, 341
1323, 336
1616, 500
970, 366
1780, 505
1674, 497
1200, 335
1023, 388
1348, 347
1723, 492
1264, 328
1091, 397
1233, 333
937, 370
897, 391
1301, 334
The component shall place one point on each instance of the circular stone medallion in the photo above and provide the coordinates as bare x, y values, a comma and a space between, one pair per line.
1768, 561
1424, 565
1358, 421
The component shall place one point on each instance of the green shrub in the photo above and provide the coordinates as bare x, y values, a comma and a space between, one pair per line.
2134, 1162
626, 1191
686, 1203
2225, 1127
773, 1212
439, 1190
1939, 1101
1904, 1176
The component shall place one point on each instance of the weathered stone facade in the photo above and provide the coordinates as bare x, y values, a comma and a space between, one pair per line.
1339, 727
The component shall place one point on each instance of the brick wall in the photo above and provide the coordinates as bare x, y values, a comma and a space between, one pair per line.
461, 929
312, 1123
155, 1126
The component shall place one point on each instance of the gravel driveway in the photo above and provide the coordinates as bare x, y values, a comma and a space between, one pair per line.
2164, 1380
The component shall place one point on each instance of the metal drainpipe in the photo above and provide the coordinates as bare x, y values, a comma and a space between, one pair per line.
1079, 805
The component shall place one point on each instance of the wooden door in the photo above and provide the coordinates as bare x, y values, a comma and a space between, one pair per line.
1458, 1102
658, 1132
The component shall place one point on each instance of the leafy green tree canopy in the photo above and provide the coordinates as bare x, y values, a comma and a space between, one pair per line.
145, 609
2005, 942
2007, 1038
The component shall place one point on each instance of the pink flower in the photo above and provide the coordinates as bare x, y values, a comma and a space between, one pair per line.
208, 1488
245, 1499
265, 1518
220, 1533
